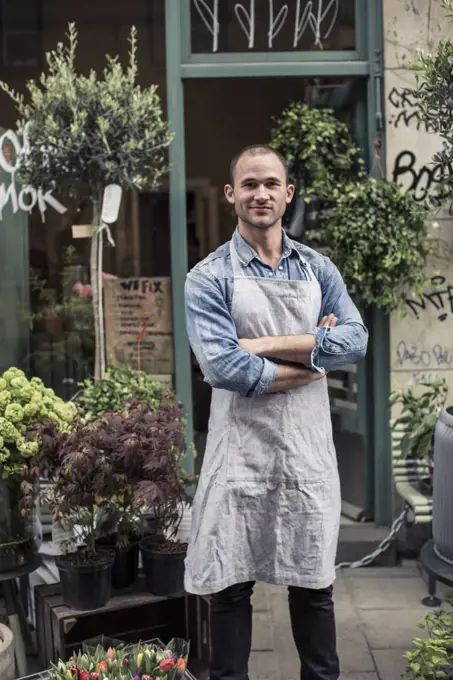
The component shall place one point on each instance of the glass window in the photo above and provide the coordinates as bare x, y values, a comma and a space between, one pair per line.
46, 261
277, 25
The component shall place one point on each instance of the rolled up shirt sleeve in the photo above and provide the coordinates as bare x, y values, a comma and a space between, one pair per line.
347, 342
214, 341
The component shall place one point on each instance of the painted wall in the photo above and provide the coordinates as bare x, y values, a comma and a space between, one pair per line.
422, 342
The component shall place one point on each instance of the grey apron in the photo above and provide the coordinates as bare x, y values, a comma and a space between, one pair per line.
267, 506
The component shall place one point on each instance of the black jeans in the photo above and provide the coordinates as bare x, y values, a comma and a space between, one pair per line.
313, 626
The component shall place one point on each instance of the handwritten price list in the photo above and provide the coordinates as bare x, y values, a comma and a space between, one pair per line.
138, 323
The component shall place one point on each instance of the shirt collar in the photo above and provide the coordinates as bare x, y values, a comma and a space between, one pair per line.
246, 253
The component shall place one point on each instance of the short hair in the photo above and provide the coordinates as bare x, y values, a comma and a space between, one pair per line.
257, 150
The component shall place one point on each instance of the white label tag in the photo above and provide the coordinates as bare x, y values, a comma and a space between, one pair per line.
111, 203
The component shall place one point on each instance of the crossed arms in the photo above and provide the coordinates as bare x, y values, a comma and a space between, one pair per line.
251, 366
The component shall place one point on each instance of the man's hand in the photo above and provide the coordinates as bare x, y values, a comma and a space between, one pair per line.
328, 321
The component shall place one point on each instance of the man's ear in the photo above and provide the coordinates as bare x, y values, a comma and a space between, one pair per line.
290, 189
229, 193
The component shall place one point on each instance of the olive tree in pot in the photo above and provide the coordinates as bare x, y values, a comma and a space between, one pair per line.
84, 132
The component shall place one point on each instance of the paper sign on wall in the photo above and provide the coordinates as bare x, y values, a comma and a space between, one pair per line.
138, 323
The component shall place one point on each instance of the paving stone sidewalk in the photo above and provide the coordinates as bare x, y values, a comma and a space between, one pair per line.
376, 610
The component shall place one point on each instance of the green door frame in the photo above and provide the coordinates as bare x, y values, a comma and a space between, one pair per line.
366, 62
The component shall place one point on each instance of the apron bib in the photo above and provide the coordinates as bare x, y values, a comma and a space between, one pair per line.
267, 506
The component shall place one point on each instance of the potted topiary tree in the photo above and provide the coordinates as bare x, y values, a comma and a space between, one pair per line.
23, 404
86, 132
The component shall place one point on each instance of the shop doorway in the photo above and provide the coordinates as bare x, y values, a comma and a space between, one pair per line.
221, 117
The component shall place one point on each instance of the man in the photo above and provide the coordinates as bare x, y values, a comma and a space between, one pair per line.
267, 318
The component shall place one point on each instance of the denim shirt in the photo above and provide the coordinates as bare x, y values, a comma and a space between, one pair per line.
212, 331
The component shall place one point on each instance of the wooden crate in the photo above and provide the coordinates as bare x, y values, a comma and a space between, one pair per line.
131, 615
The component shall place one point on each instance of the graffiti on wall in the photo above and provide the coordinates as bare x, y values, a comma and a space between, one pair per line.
404, 111
438, 300
421, 179
424, 179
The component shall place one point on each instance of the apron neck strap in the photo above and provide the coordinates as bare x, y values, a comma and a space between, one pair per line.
238, 269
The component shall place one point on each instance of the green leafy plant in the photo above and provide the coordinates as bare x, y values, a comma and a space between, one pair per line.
119, 385
432, 656
433, 95
319, 149
378, 237
23, 405
85, 132
419, 415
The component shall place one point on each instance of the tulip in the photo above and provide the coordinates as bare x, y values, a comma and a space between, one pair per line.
147, 677
102, 666
166, 665
84, 675
94, 676
181, 665
139, 659
111, 654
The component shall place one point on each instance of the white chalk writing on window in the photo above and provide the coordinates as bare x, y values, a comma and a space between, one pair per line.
317, 16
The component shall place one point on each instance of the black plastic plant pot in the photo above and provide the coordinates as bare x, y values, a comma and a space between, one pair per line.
16, 554
86, 586
125, 567
17, 544
90, 646
163, 565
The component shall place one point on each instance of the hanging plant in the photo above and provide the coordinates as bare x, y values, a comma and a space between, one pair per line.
83, 133
378, 238
319, 149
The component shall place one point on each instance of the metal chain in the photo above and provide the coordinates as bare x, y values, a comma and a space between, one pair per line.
382, 547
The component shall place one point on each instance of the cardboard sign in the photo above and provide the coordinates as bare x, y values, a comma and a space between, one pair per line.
138, 323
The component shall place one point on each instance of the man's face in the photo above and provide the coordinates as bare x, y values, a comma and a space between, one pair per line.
260, 193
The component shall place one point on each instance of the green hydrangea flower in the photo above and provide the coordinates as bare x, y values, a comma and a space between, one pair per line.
18, 383
29, 448
4, 455
7, 430
14, 413
12, 373
23, 405
5, 398
30, 410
